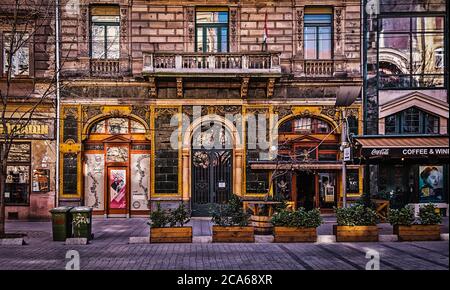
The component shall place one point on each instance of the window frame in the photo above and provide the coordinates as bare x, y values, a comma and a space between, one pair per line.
317, 40
105, 25
410, 34
423, 120
24, 164
29, 44
219, 27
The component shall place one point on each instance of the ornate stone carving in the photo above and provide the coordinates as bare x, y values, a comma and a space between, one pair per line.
256, 111
179, 87
244, 87
91, 111
270, 87
234, 28
222, 110
300, 30
338, 19
330, 111
190, 28
282, 111
142, 112
83, 21
152, 90
70, 111
165, 111
124, 24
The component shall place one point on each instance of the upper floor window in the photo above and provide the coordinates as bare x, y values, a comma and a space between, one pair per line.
412, 121
105, 32
411, 52
318, 33
20, 57
305, 125
212, 30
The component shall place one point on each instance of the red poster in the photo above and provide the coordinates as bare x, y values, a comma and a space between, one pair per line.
117, 188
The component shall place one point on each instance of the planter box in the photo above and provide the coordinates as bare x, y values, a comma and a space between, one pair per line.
171, 235
294, 235
418, 232
355, 233
233, 234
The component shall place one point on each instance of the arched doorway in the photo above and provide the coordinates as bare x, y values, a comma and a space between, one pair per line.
311, 145
212, 167
117, 167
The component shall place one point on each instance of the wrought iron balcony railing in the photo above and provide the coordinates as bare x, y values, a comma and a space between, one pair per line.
212, 63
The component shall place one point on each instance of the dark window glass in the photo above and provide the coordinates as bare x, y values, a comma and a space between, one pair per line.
317, 36
17, 179
353, 181
412, 121
70, 129
70, 184
352, 125
212, 31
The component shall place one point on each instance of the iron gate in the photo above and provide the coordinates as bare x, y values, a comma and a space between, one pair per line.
211, 179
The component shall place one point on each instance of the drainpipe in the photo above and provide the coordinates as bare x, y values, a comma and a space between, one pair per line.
57, 56
344, 168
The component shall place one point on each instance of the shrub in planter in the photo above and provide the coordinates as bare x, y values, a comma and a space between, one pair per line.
168, 227
425, 228
231, 223
356, 224
296, 226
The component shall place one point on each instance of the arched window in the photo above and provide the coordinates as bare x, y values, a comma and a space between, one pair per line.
412, 121
116, 126
305, 125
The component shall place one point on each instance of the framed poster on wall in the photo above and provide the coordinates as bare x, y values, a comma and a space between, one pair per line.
431, 183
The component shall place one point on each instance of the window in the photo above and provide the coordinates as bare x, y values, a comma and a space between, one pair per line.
116, 126
352, 181
20, 60
310, 125
212, 30
318, 33
410, 52
352, 122
17, 183
70, 173
105, 32
412, 121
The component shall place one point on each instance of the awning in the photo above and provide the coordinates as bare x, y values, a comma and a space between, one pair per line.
271, 165
403, 147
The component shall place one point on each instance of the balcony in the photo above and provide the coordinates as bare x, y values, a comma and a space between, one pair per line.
264, 64
104, 67
318, 68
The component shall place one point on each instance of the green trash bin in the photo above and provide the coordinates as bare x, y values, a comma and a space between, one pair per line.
61, 223
82, 222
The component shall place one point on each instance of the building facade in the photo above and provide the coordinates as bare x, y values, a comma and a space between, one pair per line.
151, 87
28, 112
406, 144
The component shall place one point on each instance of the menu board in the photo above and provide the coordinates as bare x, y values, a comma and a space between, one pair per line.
19, 152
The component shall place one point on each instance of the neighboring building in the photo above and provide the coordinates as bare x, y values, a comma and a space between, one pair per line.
132, 65
406, 108
30, 108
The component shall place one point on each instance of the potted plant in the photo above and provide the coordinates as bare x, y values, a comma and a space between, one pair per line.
356, 224
168, 226
425, 228
296, 226
231, 223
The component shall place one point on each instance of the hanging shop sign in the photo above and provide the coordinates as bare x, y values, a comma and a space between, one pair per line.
405, 152
43, 129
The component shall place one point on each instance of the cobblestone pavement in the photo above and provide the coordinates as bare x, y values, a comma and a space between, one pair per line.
110, 250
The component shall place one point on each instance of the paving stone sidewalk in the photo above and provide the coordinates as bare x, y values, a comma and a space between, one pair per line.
110, 250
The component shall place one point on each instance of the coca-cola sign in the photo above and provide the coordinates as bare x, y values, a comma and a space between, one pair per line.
380, 152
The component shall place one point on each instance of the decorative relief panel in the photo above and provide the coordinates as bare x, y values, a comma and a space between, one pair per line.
338, 24
140, 181
299, 19
94, 178
234, 38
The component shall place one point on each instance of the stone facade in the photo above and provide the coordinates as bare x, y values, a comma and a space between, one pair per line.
159, 69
